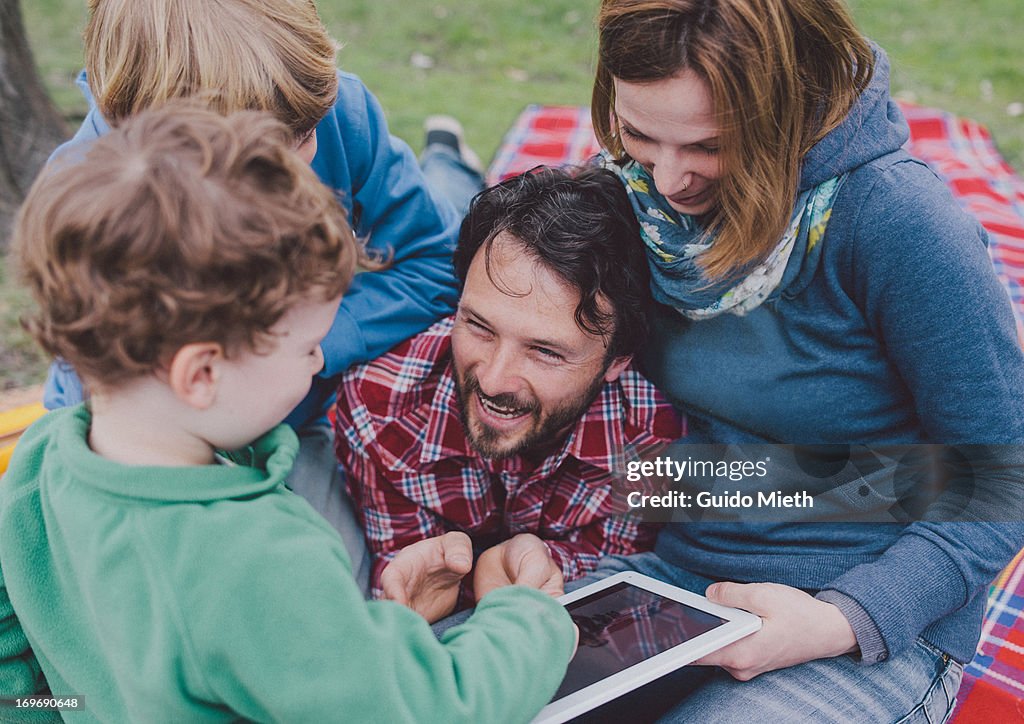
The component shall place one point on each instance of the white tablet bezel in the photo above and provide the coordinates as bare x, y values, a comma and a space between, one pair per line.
737, 625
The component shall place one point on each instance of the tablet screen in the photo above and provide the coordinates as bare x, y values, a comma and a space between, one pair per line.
623, 625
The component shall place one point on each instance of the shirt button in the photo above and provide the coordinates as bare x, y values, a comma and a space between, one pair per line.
880, 657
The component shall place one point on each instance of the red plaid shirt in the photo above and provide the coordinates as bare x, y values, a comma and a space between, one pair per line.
413, 475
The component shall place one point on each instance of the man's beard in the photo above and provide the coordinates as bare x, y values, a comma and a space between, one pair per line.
545, 428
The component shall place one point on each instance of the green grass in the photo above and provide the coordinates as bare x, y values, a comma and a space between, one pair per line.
965, 57
21, 362
490, 58
55, 33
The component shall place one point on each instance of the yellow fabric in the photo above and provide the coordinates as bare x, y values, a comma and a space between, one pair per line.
1000, 582
12, 424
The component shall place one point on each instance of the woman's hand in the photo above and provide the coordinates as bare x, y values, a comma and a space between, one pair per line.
797, 628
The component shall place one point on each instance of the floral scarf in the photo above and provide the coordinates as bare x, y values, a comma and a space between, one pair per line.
674, 244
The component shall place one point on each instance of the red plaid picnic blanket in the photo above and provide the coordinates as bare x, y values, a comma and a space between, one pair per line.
958, 150
962, 154
993, 688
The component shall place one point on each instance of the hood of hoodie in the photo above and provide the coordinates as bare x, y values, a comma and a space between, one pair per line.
873, 128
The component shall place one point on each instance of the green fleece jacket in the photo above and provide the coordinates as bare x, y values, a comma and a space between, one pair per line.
212, 593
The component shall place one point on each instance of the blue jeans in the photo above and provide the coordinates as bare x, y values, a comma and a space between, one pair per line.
448, 177
917, 686
318, 478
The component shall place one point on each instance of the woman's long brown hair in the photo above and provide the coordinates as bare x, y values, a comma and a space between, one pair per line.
782, 74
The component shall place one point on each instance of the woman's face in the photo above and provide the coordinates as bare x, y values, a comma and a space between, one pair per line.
668, 126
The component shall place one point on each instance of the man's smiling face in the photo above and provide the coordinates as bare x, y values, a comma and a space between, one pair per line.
525, 370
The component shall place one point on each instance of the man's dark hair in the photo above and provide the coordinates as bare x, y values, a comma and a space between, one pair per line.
579, 224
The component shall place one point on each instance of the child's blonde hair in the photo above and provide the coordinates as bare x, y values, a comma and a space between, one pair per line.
271, 55
180, 226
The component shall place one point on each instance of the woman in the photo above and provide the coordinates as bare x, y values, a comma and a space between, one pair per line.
818, 286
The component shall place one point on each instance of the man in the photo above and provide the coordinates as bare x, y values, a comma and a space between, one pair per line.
508, 421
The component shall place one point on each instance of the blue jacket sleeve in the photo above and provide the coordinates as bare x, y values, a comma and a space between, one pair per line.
922, 276
379, 181
381, 185
63, 387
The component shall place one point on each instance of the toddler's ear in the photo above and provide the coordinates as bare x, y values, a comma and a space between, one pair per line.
194, 372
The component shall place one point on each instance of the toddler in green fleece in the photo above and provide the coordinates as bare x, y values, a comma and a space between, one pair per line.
188, 268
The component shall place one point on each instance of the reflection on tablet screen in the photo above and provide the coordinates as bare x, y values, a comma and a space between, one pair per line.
624, 625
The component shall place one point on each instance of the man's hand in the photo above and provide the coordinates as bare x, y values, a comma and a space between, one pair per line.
426, 575
523, 559
797, 628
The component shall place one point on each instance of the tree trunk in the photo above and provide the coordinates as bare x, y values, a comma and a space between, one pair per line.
30, 126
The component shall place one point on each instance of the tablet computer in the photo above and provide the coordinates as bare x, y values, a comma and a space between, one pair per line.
634, 629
